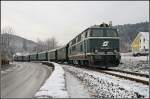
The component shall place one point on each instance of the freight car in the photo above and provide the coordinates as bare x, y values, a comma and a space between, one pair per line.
26, 58
34, 57
19, 58
43, 56
62, 54
52, 55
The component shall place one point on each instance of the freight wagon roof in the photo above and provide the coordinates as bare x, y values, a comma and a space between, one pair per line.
52, 50
21, 54
42, 52
33, 53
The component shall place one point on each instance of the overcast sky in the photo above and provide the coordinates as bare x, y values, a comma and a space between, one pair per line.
64, 20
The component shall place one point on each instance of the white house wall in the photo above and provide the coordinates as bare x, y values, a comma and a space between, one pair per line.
146, 43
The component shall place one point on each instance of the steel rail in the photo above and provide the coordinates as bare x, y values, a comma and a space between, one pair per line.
128, 72
126, 77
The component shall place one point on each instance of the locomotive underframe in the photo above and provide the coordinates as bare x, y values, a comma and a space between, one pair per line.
96, 59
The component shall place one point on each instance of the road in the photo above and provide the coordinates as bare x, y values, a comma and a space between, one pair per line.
24, 81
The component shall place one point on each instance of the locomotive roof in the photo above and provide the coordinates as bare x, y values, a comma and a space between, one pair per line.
92, 27
21, 54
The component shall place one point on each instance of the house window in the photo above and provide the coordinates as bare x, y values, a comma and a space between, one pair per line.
144, 40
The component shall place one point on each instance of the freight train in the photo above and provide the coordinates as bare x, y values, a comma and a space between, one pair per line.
97, 46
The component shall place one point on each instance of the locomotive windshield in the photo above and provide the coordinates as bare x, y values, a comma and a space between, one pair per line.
103, 33
96, 33
111, 33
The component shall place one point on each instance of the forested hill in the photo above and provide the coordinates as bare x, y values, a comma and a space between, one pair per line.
128, 32
18, 44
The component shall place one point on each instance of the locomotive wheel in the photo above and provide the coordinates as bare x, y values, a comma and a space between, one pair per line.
117, 62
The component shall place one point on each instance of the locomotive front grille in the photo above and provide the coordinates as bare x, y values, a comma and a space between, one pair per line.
101, 57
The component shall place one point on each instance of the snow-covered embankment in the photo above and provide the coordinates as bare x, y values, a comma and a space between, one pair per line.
54, 87
102, 85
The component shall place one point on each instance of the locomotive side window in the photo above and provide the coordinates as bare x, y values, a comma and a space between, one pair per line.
76, 39
96, 33
79, 38
73, 41
86, 33
82, 36
111, 33
70, 43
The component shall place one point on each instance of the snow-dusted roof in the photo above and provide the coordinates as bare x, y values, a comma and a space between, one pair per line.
145, 34
21, 54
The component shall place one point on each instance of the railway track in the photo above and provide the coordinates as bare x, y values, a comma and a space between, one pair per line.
141, 78
124, 75
132, 73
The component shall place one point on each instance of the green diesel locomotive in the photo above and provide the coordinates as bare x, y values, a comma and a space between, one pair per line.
95, 46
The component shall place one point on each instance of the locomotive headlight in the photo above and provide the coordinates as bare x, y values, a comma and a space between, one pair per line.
115, 51
96, 51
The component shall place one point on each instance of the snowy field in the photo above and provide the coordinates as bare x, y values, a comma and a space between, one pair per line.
134, 64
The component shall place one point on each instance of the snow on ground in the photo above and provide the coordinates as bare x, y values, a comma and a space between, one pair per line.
128, 57
9, 68
107, 86
75, 87
134, 64
54, 87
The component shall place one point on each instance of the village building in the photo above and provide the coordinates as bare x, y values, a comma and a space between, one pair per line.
140, 45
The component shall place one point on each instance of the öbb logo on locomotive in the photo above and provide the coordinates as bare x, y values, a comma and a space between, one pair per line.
105, 43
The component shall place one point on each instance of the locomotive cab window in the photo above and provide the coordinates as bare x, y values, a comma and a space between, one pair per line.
96, 33
111, 33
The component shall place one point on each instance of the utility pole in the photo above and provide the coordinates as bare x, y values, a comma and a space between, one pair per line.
0, 48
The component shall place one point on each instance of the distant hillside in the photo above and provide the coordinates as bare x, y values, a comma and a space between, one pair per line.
19, 44
128, 32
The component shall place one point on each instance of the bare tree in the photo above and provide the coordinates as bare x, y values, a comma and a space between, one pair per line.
48, 44
51, 43
5, 43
